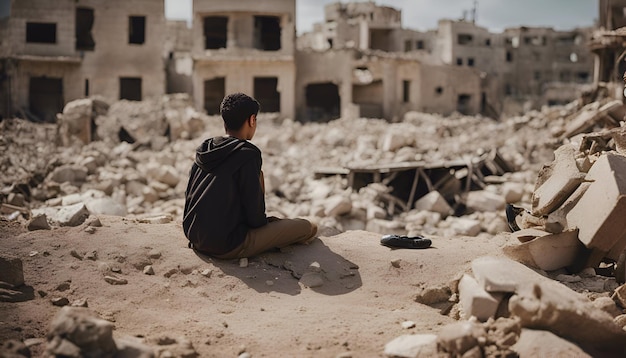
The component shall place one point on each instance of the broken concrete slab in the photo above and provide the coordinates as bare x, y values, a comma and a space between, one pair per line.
602, 227
483, 200
549, 252
549, 305
80, 328
498, 274
458, 338
557, 182
538, 343
434, 202
71, 215
475, 301
412, 346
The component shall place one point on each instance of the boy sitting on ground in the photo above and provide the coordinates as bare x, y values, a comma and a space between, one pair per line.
224, 213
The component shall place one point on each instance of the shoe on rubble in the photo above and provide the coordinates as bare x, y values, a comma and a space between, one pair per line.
405, 242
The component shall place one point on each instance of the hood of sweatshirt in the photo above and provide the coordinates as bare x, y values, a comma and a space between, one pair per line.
213, 151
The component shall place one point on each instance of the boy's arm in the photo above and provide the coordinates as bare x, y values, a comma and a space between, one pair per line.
252, 195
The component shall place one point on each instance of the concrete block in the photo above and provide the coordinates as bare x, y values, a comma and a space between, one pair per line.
537, 343
412, 346
475, 300
38, 222
71, 215
512, 192
555, 251
557, 182
482, 200
106, 206
337, 205
434, 202
11, 270
458, 338
499, 274
600, 211
466, 227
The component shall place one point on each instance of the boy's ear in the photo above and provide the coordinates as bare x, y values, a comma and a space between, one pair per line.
252, 120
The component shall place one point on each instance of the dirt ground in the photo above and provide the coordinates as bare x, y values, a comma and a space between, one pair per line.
222, 309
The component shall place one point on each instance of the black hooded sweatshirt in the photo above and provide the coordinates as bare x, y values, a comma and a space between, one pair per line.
224, 197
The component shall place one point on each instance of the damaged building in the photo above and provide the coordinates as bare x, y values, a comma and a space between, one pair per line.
54, 52
536, 66
359, 62
608, 46
259, 37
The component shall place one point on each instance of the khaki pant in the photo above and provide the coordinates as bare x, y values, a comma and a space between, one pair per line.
275, 234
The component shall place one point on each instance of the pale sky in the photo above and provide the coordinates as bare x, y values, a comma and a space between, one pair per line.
423, 15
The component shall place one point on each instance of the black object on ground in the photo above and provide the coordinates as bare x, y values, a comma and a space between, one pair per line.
405, 242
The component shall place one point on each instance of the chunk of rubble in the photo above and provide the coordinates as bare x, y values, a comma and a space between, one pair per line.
557, 181
38, 222
475, 301
71, 215
548, 252
483, 200
458, 338
434, 202
599, 212
537, 343
11, 270
412, 346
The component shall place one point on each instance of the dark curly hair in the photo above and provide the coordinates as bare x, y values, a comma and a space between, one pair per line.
236, 108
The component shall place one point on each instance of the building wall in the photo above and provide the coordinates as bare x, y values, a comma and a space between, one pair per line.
239, 77
240, 62
112, 57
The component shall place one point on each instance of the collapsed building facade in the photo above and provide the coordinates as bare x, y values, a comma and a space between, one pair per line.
608, 45
360, 61
539, 66
54, 52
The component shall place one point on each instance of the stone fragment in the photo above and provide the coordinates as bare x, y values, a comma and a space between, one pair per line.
412, 346
483, 200
11, 270
93, 220
458, 338
434, 202
38, 222
549, 252
312, 279
337, 205
74, 174
133, 347
72, 215
495, 274
243, 262
161, 219
432, 295
475, 301
82, 302
78, 327
106, 206
114, 280
60, 301
465, 226
11, 348
598, 213
148, 270
548, 305
167, 175
557, 182
620, 321
408, 324
538, 343
607, 305
154, 254
512, 192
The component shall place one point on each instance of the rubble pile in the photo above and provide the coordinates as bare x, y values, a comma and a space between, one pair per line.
132, 159
507, 309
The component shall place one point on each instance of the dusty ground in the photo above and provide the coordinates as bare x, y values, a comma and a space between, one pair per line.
224, 309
